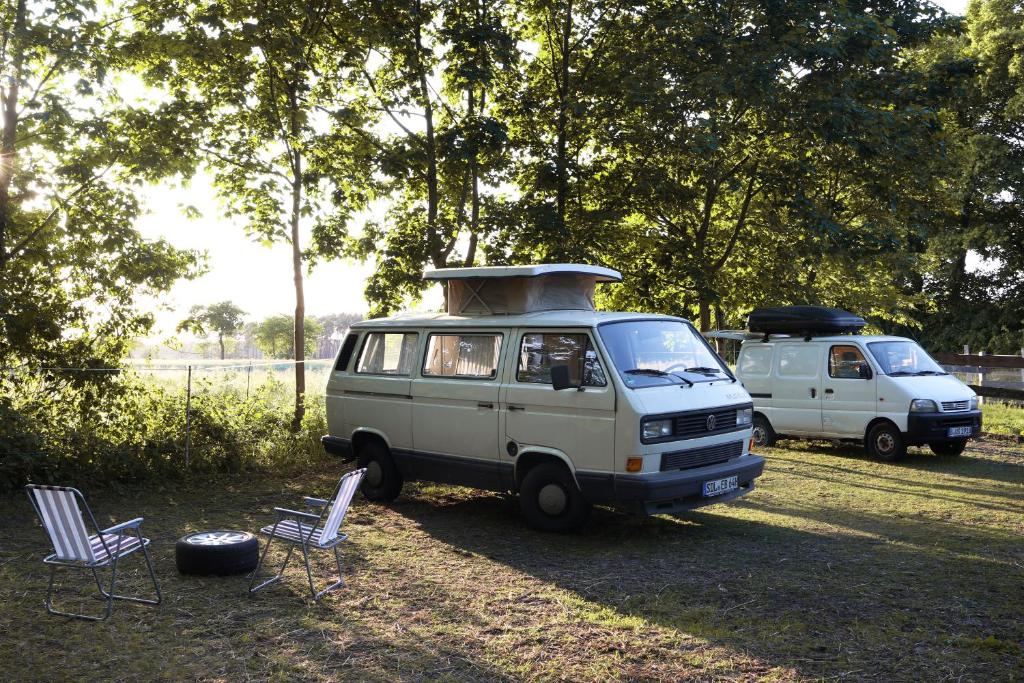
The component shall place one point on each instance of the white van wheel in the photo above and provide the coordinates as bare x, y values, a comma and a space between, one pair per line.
763, 433
885, 442
550, 499
383, 481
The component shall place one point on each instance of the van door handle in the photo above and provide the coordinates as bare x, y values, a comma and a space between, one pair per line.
829, 391
814, 392
489, 406
514, 408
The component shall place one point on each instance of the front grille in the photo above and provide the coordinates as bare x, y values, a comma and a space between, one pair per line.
693, 424
700, 457
953, 406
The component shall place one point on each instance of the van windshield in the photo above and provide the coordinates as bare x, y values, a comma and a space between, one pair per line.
650, 353
904, 358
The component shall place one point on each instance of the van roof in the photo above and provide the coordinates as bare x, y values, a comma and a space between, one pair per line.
558, 318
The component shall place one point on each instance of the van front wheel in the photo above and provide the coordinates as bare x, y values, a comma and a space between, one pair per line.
885, 442
550, 499
764, 435
950, 448
383, 481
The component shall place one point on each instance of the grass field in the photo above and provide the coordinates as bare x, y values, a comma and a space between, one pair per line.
1000, 418
835, 567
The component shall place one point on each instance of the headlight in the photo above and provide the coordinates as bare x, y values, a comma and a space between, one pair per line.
974, 402
655, 429
744, 416
923, 405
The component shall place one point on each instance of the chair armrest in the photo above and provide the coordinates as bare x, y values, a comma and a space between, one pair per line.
285, 512
117, 528
315, 502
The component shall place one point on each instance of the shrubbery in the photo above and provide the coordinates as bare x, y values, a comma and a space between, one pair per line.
125, 429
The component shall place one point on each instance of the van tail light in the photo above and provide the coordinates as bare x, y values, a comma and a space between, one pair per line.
634, 464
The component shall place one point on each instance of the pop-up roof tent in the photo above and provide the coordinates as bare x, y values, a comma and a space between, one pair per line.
501, 290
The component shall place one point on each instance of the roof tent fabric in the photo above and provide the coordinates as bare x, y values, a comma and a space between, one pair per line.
803, 320
521, 289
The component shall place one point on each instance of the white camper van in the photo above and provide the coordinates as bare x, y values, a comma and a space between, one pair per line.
522, 386
806, 381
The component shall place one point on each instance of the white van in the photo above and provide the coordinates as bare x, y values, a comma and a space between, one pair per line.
884, 391
522, 386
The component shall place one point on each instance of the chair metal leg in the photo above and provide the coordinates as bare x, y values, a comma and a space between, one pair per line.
75, 615
130, 598
274, 579
340, 583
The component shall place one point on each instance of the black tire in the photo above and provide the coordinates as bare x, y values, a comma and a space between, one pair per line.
383, 481
218, 553
949, 448
550, 499
885, 442
764, 435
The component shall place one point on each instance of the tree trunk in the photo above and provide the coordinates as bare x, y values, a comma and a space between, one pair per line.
561, 151
220, 340
705, 311
10, 119
299, 339
438, 255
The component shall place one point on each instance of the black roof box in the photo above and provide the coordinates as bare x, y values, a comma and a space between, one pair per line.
804, 320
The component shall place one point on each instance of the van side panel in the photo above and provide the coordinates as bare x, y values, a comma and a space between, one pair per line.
796, 388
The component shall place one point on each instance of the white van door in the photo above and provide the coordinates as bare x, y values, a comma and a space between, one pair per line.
455, 406
580, 424
849, 400
796, 388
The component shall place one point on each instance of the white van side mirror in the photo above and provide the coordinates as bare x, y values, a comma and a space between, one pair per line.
864, 370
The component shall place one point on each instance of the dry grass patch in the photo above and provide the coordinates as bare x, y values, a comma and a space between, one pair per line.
835, 567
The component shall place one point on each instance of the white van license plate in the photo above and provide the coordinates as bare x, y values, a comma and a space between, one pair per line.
720, 486
959, 431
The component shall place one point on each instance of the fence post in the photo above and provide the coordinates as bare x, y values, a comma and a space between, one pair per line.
1022, 369
248, 380
188, 416
981, 378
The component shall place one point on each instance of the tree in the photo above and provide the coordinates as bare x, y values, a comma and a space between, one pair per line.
72, 155
222, 319
271, 83
274, 336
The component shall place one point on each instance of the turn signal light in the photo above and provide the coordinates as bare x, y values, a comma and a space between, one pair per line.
750, 446
634, 464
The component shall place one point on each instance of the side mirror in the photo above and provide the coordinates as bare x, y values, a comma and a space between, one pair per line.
864, 370
560, 378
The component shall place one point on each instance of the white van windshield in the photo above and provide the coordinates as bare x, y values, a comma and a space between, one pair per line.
651, 353
904, 358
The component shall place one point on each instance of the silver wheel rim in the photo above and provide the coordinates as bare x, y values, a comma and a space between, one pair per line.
885, 442
217, 538
552, 499
759, 436
374, 473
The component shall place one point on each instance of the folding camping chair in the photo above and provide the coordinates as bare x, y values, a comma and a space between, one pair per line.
59, 511
311, 535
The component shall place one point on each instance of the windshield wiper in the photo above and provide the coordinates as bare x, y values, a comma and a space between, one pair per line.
703, 371
901, 373
655, 372
930, 372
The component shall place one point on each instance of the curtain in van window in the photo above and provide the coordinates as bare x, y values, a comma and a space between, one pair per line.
390, 353
471, 355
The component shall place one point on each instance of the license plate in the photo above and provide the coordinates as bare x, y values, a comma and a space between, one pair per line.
720, 486
959, 431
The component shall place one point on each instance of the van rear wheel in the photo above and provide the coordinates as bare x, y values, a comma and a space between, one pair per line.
550, 499
885, 442
383, 481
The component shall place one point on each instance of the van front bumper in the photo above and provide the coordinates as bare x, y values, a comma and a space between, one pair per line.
666, 492
925, 428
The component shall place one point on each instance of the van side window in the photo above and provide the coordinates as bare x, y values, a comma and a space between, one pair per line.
539, 351
799, 361
469, 356
387, 353
844, 362
347, 347
756, 361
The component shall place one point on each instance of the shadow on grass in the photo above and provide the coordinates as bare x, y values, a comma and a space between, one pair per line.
821, 602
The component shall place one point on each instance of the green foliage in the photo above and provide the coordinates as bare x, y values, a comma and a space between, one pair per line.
131, 430
275, 336
72, 157
222, 319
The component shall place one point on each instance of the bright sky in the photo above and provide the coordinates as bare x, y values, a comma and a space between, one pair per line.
255, 277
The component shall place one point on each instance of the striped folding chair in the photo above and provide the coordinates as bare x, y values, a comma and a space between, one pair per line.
60, 510
311, 532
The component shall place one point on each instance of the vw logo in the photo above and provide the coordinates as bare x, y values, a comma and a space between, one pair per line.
711, 422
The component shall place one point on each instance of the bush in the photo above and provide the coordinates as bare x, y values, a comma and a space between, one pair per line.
124, 429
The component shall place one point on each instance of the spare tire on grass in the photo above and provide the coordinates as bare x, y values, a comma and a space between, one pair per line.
219, 553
